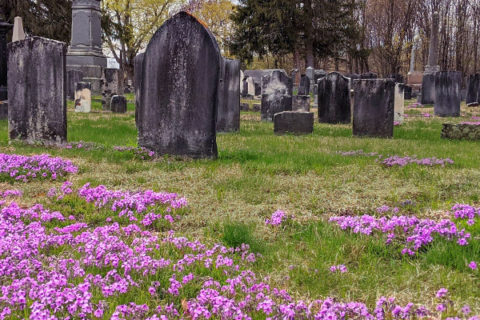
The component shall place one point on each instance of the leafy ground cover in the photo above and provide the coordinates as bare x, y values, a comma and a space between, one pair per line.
283, 196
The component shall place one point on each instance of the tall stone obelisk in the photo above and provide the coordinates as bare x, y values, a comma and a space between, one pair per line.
85, 51
428, 83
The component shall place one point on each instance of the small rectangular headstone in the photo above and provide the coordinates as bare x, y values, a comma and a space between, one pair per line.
83, 97
293, 122
399, 103
447, 93
301, 103
428, 88
228, 112
118, 104
373, 110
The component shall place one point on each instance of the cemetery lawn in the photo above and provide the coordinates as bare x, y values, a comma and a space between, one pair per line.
257, 173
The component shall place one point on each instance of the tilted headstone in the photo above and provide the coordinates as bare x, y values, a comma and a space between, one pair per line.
368, 75
180, 75
73, 77
83, 97
373, 111
293, 122
276, 94
137, 70
447, 93
36, 90
399, 107
473, 90
428, 88
110, 85
118, 104
304, 87
334, 99
301, 103
18, 33
228, 112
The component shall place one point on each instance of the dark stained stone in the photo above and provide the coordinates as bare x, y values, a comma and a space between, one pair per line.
118, 104
473, 90
407, 92
276, 94
73, 76
258, 89
228, 112
428, 88
110, 85
447, 93
301, 103
293, 122
137, 69
180, 75
373, 109
369, 75
304, 87
37, 90
334, 99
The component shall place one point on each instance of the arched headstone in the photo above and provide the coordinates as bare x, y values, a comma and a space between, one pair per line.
180, 75
334, 99
276, 94
37, 91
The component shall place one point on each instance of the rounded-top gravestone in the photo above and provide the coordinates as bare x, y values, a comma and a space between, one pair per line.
118, 104
334, 99
276, 94
180, 75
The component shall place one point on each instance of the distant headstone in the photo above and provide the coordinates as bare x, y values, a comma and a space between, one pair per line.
473, 90
276, 94
180, 75
310, 73
250, 87
18, 33
407, 92
83, 97
293, 122
369, 75
118, 104
304, 87
110, 85
138, 75
399, 107
73, 77
228, 112
334, 99
37, 92
373, 111
301, 103
428, 88
244, 106
447, 93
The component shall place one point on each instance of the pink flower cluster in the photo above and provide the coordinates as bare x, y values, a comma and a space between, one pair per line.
415, 105
277, 218
141, 153
403, 161
81, 272
26, 168
412, 232
466, 212
339, 268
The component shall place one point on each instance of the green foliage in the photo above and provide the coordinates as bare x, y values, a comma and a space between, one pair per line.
236, 233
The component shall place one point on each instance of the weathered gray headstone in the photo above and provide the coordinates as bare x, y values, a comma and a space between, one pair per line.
180, 75
407, 92
301, 103
447, 93
304, 87
276, 94
110, 85
83, 97
73, 76
373, 111
473, 90
137, 69
399, 103
293, 122
334, 99
428, 88
118, 104
85, 51
18, 33
228, 112
37, 90
428, 82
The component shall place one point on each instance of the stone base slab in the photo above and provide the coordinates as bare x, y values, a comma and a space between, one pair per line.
461, 131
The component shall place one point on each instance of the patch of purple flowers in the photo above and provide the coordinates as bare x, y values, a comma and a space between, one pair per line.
27, 168
403, 161
141, 153
277, 218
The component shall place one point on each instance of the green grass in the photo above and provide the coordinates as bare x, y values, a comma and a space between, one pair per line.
257, 173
